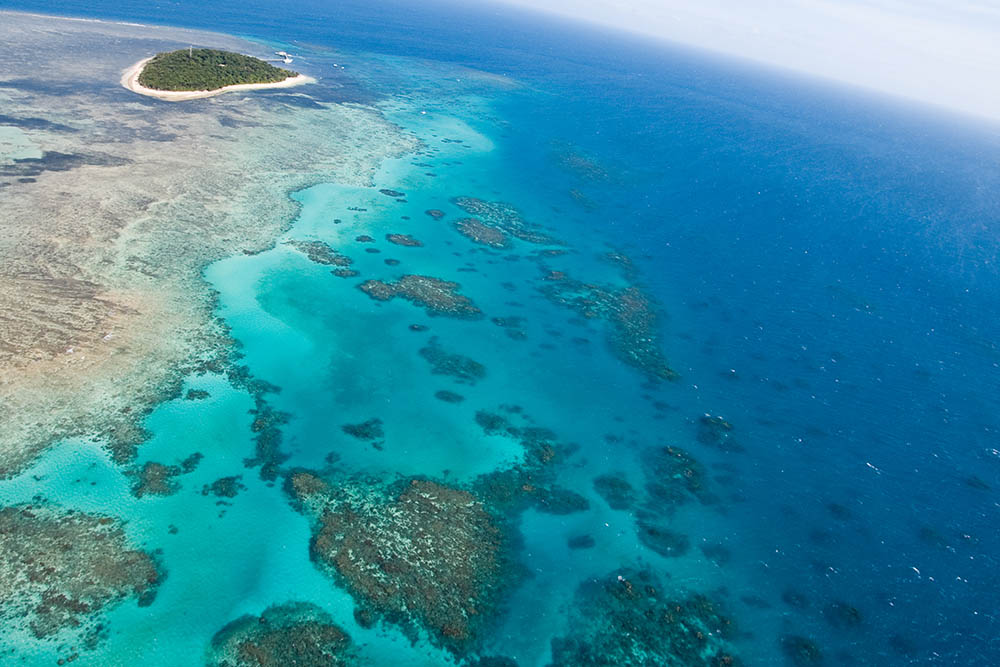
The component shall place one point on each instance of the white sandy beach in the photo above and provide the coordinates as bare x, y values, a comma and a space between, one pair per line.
130, 80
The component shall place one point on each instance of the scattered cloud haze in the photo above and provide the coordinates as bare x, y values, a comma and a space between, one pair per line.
943, 52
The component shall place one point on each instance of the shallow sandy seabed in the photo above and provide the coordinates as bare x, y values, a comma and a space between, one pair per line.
103, 239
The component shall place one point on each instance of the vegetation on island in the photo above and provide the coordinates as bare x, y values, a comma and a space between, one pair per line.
207, 69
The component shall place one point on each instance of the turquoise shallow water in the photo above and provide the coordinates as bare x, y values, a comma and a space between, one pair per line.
823, 269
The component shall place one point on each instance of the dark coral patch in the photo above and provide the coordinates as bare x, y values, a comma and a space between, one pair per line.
627, 618
320, 253
673, 476
224, 487
190, 463
367, 430
448, 396
435, 213
436, 296
493, 424
556, 500
266, 427
532, 483
505, 218
477, 232
572, 159
634, 323
514, 326
459, 367
298, 633
403, 240
615, 490
717, 553
715, 431
664, 541
801, 651
842, 616
155, 479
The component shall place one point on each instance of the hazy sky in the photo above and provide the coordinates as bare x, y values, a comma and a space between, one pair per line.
946, 52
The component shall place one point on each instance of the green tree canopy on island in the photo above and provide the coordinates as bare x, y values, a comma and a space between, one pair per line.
207, 69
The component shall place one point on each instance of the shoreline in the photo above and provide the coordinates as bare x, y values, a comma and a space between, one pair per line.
130, 81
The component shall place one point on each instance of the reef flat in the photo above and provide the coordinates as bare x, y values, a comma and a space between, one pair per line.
112, 206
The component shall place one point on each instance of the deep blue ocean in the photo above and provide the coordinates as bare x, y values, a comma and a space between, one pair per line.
824, 265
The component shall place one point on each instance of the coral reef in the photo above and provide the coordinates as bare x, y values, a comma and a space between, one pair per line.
673, 476
155, 479
842, 615
436, 296
448, 396
505, 218
714, 431
615, 490
513, 326
463, 369
801, 651
60, 568
662, 540
224, 487
266, 426
634, 336
418, 554
532, 482
435, 213
717, 553
628, 618
190, 463
403, 240
570, 158
297, 633
476, 231
367, 430
320, 253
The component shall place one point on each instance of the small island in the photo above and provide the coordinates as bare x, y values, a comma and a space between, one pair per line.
194, 73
